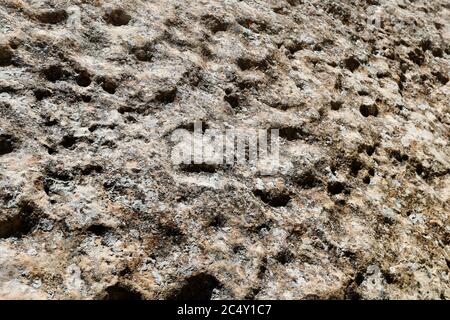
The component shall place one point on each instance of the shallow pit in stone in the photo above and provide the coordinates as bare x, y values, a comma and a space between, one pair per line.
54, 16
273, 199
6, 56
7, 144
121, 292
117, 17
369, 110
196, 287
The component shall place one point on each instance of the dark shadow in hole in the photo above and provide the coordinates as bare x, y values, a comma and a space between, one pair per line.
7, 144
166, 96
284, 257
117, 17
355, 166
91, 169
6, 56
41, 94
69, 141
52, 16
198, 168
109, 86
273, 199
292, 133
351, 63
121, 292
172, 232
98, 229
217, 221
233, 100
397, 155
370, 150
336, 105
368, 110
83, 79
215, 24
307, 180
336, 187
21, 223
248, 63
53, 73
197, 287
144, 53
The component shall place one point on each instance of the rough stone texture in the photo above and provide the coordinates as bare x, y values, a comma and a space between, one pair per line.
91, 206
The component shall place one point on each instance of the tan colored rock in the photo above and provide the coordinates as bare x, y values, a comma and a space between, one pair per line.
92, 206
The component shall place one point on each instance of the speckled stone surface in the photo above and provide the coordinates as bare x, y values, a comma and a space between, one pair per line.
91, 206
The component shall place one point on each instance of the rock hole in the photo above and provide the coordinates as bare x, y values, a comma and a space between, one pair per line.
307, 180
52, 16
336, 187
91, 168
355, 166
249, 63
198, 168
50, 150
383, 74
218, 221
238, 248
368, 110
366, 179
144, 53
215, 24
336, 105
441, 77
98, 229
171, 231
363, 92
351, 63
292, 133
437, 52
86, 98
21, 223
370, 150
121, 292
420, 169
83, 79
166, 96
6, 56
49, 121
7, 144
69, 141
191, 126
284, 257
41, 94
53, 73
233, 100
417, 56
294, 2
273, 199
426, 44
397, 155
197, 287
388, 276
359, 279
109, 86
117, 17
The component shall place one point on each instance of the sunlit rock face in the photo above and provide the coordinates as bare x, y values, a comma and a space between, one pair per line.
92, 205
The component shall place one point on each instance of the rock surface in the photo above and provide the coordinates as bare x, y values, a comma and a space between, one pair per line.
91, 206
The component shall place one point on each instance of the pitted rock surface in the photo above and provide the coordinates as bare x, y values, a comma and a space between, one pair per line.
91, 206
